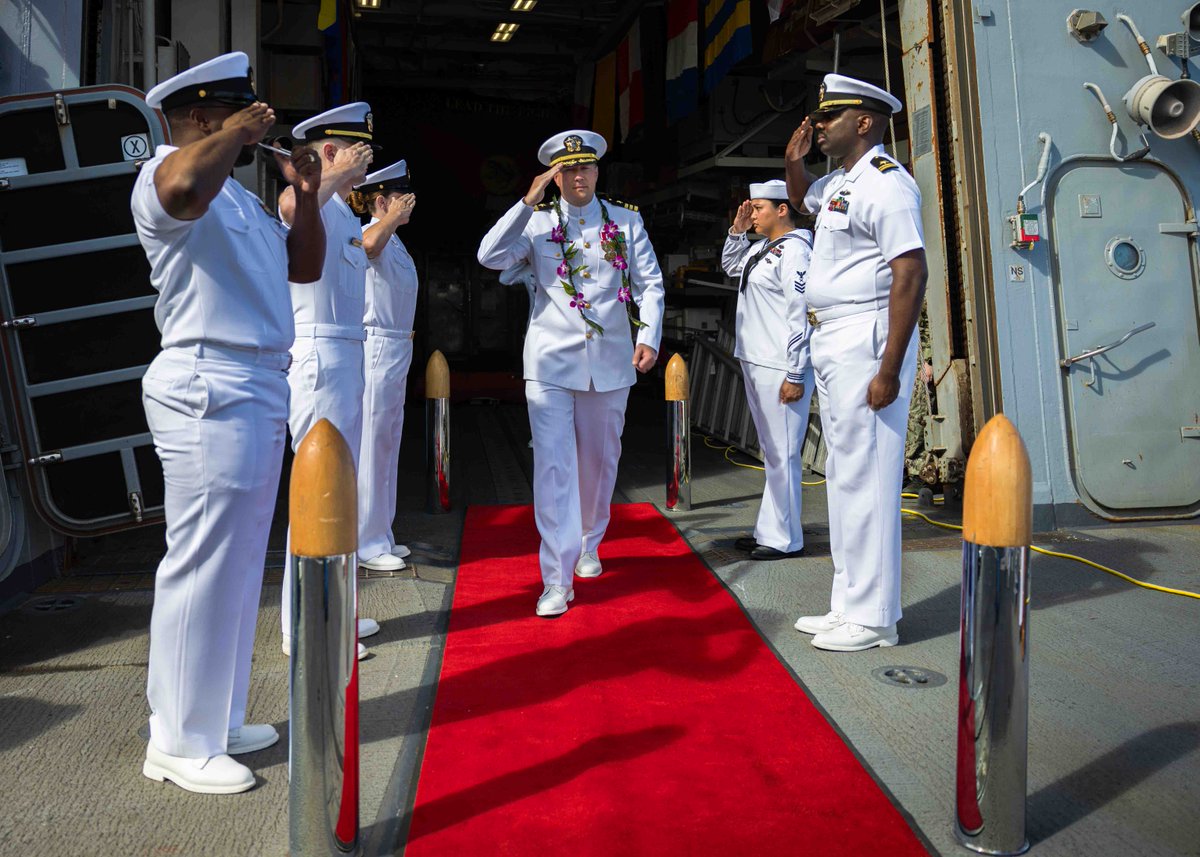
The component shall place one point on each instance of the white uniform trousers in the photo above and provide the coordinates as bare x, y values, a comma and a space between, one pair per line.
781, 430
326, 380
576, 446
864, 467
386, 361
218, 428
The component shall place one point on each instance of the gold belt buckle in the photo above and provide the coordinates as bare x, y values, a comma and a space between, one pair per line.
812, 319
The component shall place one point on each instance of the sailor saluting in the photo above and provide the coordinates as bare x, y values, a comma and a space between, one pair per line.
865, 288
216, 401
598, 288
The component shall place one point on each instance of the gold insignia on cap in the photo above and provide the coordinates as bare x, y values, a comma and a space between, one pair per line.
821, 92
370, 123
202, 94
573, 144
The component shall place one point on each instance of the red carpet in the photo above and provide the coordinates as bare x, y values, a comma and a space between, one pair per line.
651, 719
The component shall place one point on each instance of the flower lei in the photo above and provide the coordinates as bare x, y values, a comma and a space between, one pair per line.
612, 242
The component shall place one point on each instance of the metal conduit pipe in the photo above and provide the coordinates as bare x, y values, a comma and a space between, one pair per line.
1142, 46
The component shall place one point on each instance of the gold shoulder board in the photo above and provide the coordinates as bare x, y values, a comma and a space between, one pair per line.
543, 206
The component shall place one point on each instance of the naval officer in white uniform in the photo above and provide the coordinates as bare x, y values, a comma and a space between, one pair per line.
772, 344
216, 403
391, 306
598, 289
866, 285
326, 377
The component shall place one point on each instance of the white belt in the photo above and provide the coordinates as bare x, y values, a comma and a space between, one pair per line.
390, 333
817, 317
331, 331
238, 354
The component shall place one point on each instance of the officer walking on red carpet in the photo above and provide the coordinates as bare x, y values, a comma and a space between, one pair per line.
597, 284
216, 402
866, 285
772, 344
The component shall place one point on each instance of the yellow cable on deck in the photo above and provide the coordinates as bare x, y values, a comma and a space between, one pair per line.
945, 526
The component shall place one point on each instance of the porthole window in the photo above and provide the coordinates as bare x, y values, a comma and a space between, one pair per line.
1124, 257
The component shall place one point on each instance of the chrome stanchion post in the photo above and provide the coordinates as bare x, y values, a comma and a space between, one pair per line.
993, 681
679, 437
437, 434
323, 733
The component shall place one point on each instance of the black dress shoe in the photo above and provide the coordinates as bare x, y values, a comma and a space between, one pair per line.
746, 543
762, 552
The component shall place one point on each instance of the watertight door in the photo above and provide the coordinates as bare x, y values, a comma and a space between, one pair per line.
76, 305
1122, 236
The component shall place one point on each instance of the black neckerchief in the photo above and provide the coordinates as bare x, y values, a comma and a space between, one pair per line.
758, 258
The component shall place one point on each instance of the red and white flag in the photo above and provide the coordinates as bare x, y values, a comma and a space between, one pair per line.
631, 98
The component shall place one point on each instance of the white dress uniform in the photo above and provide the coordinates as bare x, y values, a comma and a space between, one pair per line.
326, 377
577, 379
216, 403
390, 309
772, 344
865, 218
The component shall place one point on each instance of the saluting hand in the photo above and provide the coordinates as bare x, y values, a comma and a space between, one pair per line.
302, 170
801, 143
251, 122
741, 220
405, 205
353, 160
537, 190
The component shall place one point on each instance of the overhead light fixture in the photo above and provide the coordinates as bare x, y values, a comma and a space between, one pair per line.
368, 4
504, 32
524, 5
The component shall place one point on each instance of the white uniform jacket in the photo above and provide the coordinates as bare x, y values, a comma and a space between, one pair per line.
333, 306
772, 321
865, 218
221, 278
391, 287
560, 348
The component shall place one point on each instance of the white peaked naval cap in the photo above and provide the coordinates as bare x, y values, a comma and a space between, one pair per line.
349, 122
222, 80
393, 177
774, 189
838, 92
572, 147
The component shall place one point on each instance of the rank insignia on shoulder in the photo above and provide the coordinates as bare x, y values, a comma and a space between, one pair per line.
543, 206
620, 202
839, 204
357, 242
883, 164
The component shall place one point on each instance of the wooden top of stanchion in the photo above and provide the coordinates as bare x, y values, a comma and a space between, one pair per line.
998, 495
437, 377
677, 379
323, 496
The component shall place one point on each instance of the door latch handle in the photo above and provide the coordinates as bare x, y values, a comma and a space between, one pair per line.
1096, 352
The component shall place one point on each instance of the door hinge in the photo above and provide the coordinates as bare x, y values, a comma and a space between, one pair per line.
61, 114
47, 458
22, 321
1189, 431
135, 505
1178, 228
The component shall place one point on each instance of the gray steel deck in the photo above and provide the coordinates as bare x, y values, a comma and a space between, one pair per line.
1114, 724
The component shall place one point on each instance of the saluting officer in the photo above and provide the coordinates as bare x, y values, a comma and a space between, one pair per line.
865, 289
597, 279
326, 377
391, 306
216, 403
772, 345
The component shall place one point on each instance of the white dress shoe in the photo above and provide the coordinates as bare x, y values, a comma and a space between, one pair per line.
383, 562
819, 624
216, 775
588, 565
367, 627
287, 648
554, 600
401, 551
849, 637
250, 737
